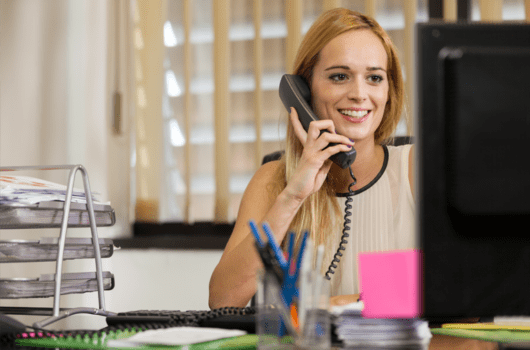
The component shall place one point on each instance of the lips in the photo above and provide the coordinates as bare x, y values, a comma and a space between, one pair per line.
354, 113
355, 116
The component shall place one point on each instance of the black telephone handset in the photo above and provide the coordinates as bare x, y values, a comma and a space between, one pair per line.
294, 92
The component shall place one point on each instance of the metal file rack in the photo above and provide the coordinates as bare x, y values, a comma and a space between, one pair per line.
54, 214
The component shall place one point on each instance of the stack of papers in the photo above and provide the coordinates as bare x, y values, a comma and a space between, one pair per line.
355, 331
26, 190
175, 336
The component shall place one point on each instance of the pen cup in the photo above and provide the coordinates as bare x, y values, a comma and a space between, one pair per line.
271, 328
313, 312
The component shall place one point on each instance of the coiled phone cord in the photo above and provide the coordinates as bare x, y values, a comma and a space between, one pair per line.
345, 234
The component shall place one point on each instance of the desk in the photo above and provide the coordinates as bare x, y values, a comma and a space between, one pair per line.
443, 342
438, 342
80, 338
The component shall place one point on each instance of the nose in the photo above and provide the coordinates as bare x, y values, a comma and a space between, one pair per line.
357, 91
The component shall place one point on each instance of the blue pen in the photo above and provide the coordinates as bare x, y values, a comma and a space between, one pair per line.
255, 231
275, 248
273, 259
289, 285
301, 251
268, 260
290, 256
291, 275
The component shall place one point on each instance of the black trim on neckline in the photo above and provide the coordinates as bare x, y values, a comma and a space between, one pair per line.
381, 172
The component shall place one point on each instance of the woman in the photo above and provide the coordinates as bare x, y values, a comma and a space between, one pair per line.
354, 75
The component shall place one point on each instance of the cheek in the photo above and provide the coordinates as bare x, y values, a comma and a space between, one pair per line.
383, 97
322, 102
319, 108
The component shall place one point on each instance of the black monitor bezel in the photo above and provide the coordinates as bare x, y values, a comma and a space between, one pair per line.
461, 274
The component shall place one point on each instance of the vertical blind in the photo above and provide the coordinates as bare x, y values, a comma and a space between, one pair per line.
220, 112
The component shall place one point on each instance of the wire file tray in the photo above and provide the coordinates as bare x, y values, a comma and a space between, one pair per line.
46, 249
65, 214
50, 214
43, 286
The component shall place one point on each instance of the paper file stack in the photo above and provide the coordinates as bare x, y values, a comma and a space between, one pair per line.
357, 332
27, 202
26, 190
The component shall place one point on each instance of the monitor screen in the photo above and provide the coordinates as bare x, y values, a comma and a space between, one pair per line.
473, 197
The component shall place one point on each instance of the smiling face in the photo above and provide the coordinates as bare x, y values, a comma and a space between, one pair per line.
350, 85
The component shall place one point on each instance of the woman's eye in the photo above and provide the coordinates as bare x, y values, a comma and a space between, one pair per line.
375, 78
338, 77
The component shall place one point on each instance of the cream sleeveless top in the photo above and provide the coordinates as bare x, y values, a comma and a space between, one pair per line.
382, 219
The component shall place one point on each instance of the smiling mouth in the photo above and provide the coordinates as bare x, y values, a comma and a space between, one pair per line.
354, 114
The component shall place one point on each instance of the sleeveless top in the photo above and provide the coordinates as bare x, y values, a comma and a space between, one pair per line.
382, 219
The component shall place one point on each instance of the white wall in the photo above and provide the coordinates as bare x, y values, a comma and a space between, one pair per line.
151, 279
161, 279
54, 102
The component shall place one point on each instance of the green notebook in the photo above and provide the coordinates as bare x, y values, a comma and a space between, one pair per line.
500, 335
96, 342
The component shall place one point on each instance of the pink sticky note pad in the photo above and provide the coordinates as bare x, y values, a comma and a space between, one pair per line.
391, 284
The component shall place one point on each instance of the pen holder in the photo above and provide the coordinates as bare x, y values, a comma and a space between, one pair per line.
270, 326
279, 327
313, 313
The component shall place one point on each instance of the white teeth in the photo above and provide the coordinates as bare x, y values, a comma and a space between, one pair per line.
354, 114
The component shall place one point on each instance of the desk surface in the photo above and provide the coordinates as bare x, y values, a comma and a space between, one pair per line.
442, 338
438, 342
443, 342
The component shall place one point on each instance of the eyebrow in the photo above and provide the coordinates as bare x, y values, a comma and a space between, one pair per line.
348, 68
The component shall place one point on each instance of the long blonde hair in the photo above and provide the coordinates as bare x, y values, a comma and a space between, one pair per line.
320, 212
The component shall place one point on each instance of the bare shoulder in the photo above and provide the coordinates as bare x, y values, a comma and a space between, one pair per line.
257, 199
259, 187
267, 171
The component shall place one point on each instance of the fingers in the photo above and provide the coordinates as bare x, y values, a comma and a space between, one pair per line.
326, 143
315, 127
340, 300
315, 135
336, 148
297, 126
319, 143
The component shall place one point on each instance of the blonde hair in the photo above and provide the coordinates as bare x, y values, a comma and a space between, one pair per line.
320, 212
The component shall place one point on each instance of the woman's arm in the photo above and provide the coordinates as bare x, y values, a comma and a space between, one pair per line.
233, 282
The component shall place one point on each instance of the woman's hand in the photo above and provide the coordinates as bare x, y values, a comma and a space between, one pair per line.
314, 164
340, 300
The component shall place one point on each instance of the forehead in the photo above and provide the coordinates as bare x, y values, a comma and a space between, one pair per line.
354, 48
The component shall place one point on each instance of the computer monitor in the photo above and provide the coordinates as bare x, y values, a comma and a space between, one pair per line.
473, 194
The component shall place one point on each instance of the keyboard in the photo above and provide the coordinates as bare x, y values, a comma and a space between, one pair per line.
132, 322
175, 318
